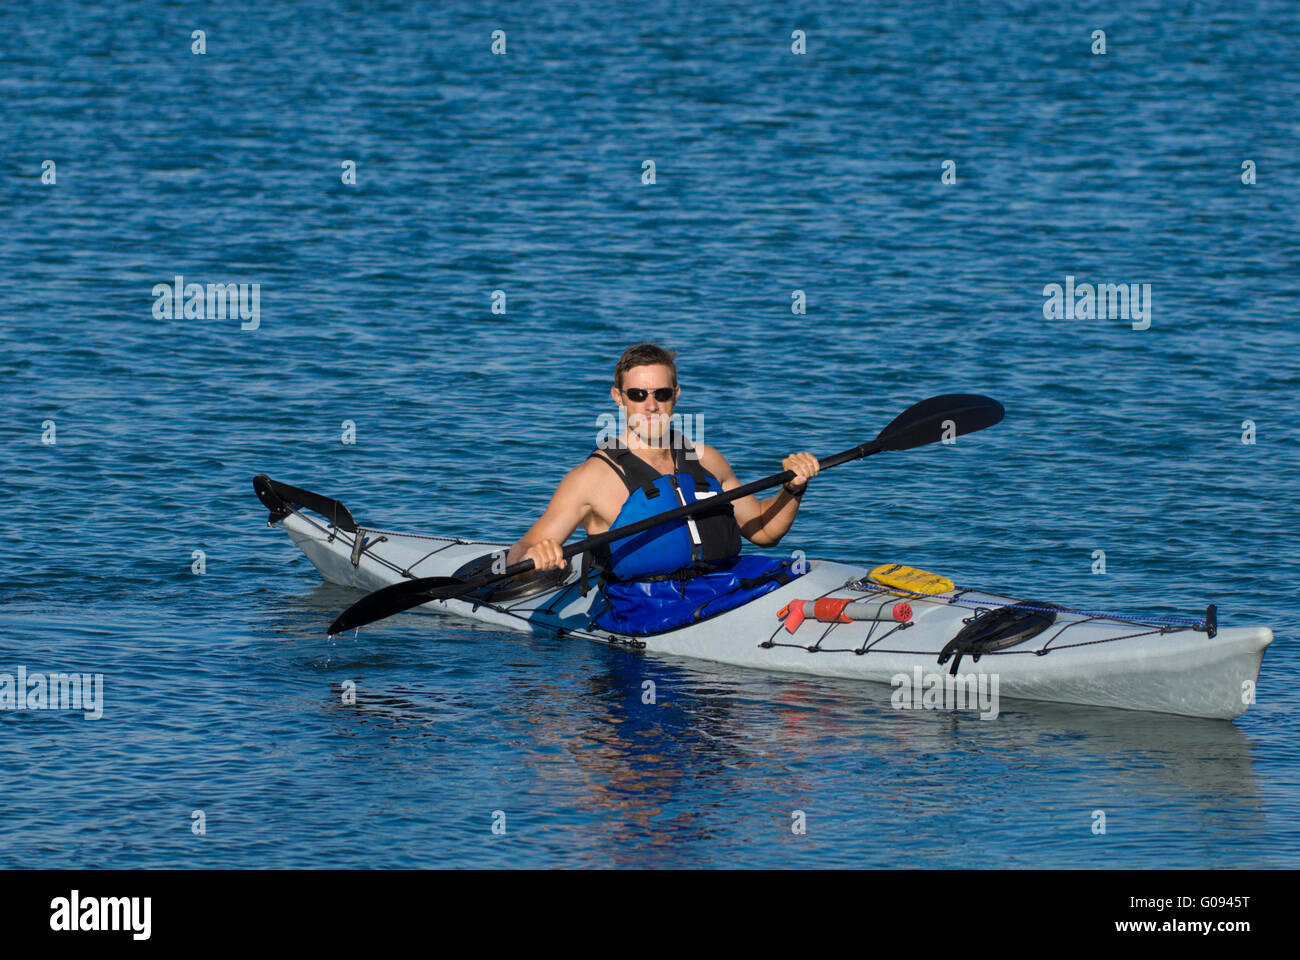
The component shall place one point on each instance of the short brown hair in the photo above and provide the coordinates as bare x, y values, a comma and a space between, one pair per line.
644, 355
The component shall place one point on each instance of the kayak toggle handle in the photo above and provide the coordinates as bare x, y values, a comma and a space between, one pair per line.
1212, 620
361, 543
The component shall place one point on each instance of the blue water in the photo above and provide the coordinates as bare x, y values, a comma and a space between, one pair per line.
522, 173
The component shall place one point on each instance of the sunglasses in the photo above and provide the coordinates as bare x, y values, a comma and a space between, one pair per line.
639, 394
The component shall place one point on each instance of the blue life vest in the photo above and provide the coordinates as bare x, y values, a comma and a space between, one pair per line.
679, 572
695, 543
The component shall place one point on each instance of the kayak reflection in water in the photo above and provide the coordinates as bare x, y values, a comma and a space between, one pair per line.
679, 572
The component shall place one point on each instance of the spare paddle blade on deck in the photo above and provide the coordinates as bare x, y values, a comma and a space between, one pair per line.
999, 629
935, 419
395, 598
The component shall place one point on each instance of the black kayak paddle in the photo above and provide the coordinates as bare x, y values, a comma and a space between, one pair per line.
929, 421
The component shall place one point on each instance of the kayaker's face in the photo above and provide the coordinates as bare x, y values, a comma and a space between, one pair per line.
649, 417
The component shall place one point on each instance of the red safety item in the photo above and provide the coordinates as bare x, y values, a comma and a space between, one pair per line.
792, 614
831, 609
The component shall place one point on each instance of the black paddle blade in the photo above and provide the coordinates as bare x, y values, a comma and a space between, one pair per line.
930, 421
394, 599
280, 498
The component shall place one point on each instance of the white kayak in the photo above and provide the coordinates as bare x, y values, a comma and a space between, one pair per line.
1038, 652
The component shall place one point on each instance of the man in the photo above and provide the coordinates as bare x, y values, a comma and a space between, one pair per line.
678, 572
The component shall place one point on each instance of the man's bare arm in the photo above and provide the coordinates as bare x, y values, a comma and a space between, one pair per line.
762, 522
569, 506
